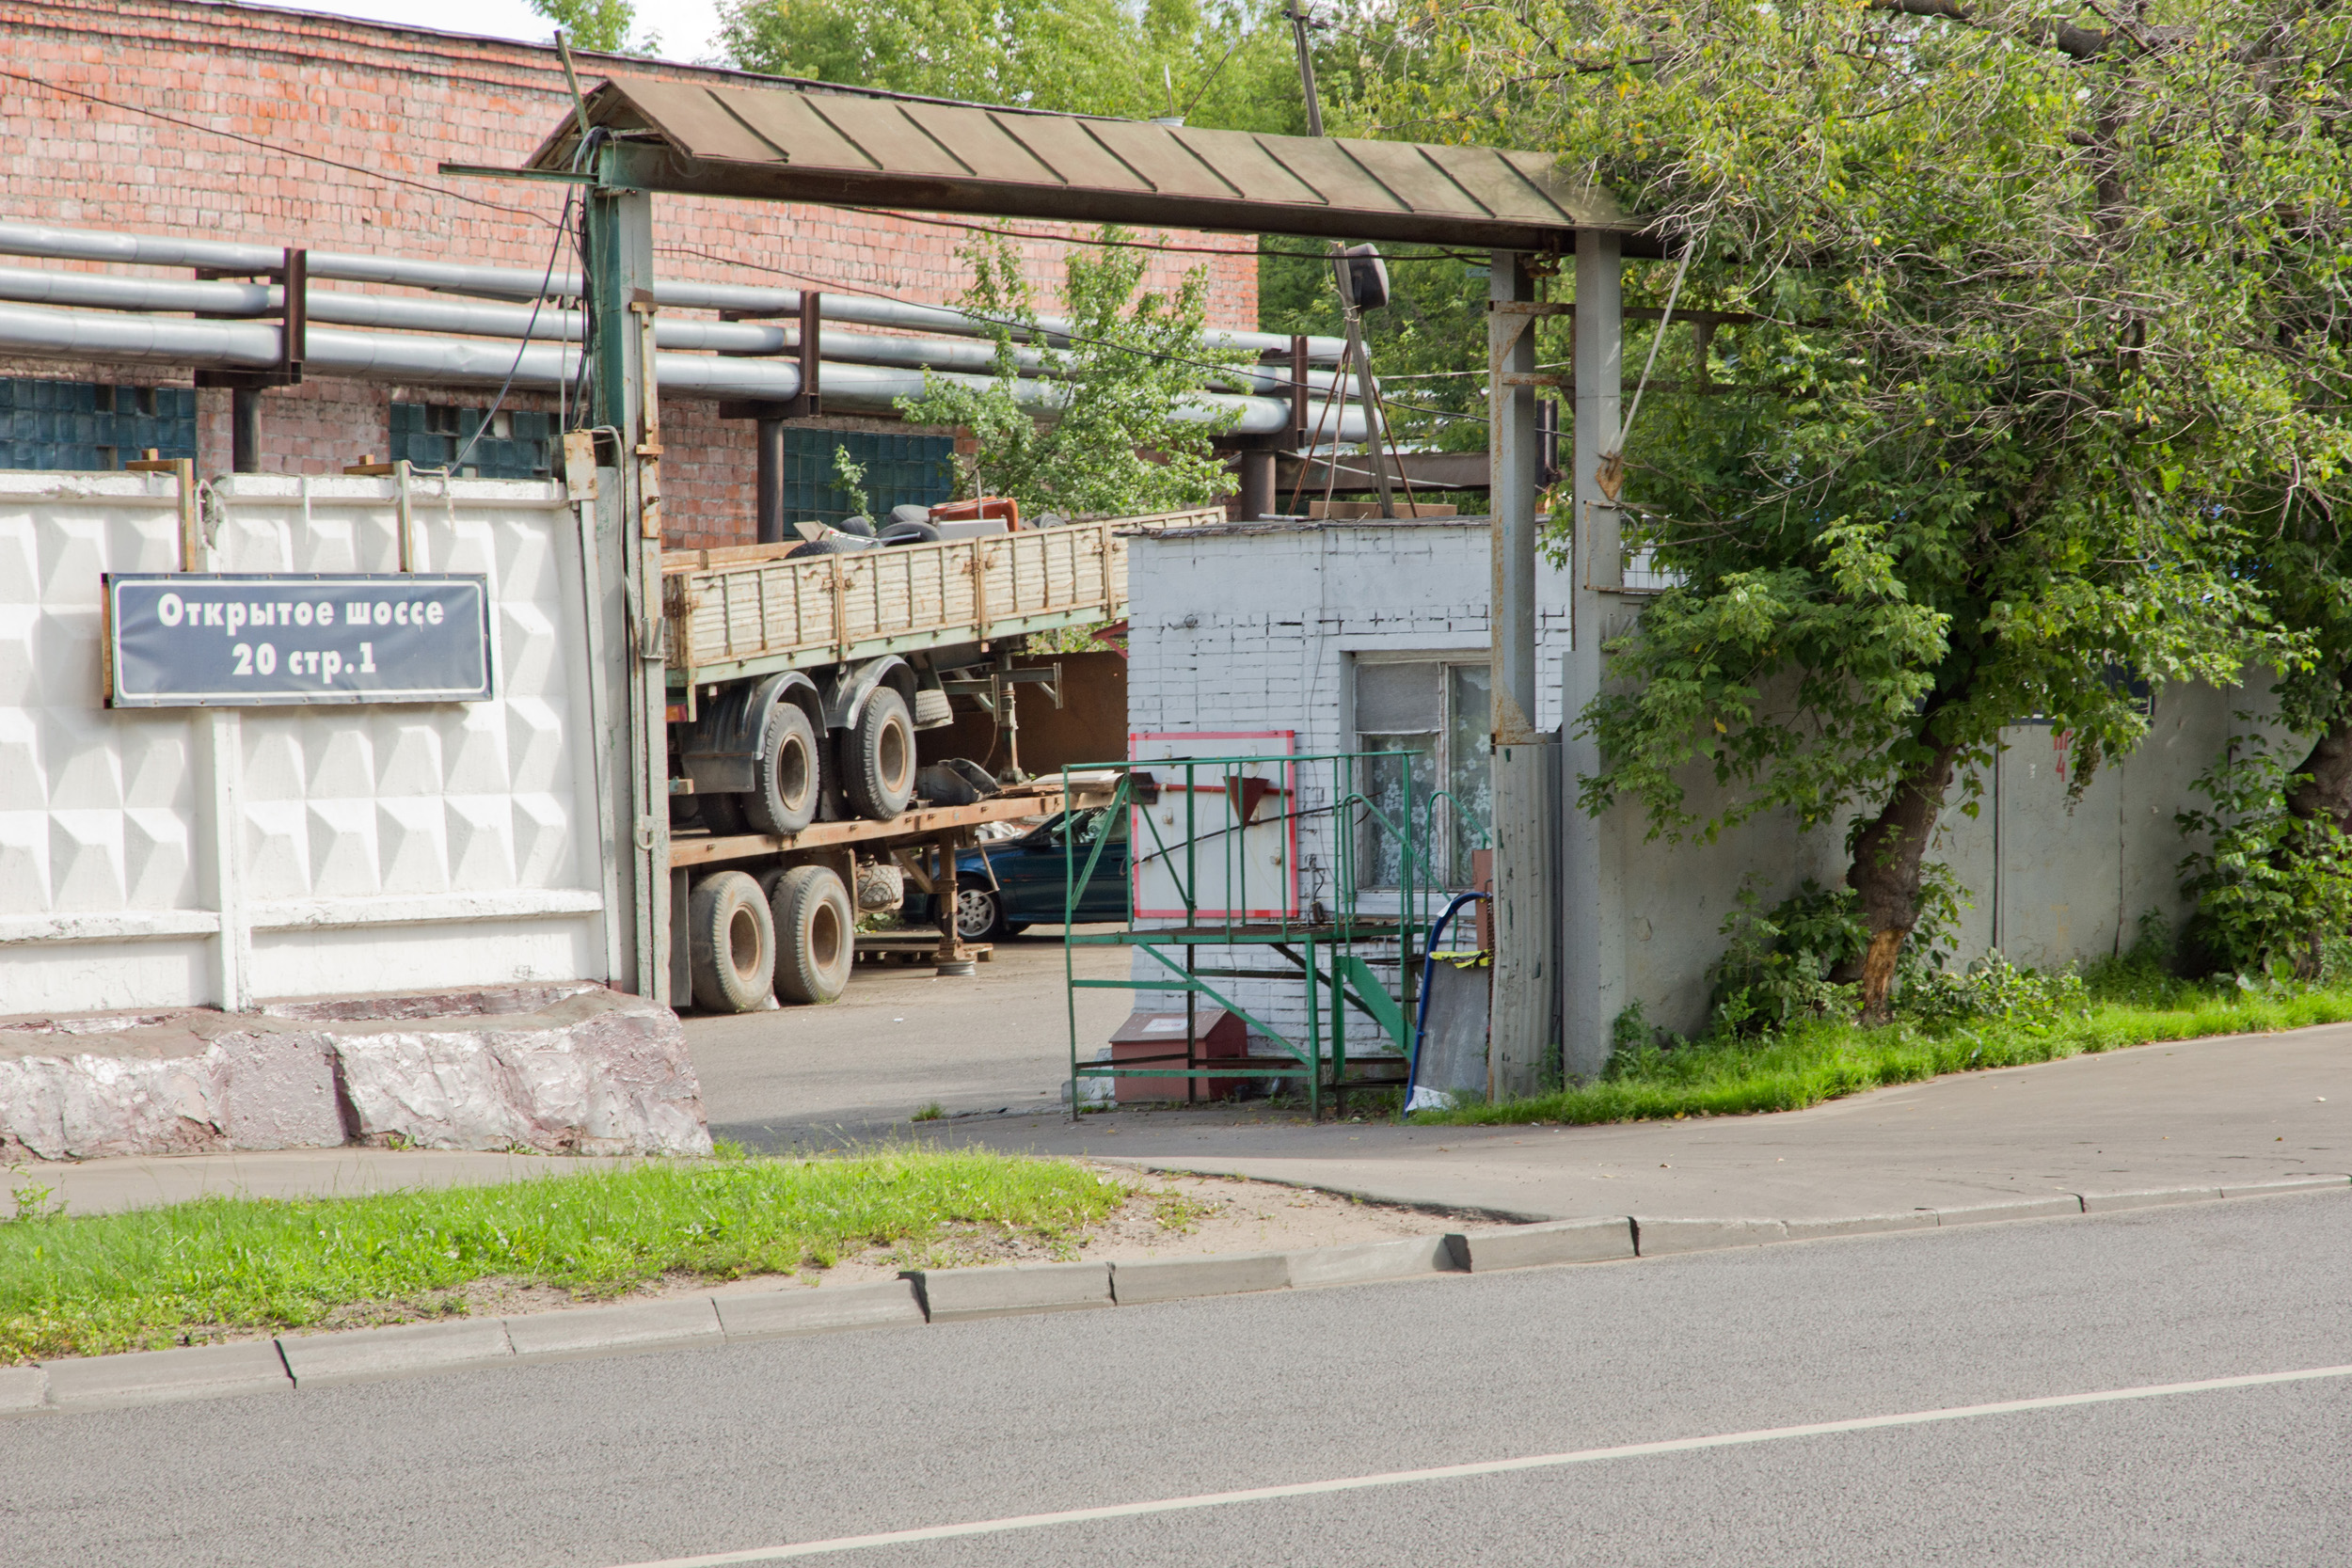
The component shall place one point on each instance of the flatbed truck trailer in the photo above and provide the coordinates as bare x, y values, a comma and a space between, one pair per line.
796, 687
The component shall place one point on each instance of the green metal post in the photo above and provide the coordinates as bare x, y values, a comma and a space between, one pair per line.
619, 224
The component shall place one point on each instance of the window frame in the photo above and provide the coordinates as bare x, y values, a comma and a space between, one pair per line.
1444, 661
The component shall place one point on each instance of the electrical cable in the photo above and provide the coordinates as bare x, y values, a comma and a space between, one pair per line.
270, 145
546, 280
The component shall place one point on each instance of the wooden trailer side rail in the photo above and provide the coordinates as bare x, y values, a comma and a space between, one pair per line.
745, 610
923, 822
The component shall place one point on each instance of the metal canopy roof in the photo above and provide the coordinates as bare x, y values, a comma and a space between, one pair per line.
849, 150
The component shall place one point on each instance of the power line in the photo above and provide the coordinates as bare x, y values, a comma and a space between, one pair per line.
271, 146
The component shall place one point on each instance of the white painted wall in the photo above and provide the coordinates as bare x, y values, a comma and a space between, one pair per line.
171, 857
1254, 625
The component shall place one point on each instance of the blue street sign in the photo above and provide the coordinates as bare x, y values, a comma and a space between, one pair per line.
221, 640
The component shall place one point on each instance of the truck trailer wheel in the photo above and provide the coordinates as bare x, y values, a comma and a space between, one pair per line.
731, 943
878, 775
816, 934
785, 775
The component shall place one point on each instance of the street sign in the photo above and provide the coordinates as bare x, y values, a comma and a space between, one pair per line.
239, 639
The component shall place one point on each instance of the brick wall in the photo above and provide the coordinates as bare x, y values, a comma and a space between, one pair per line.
391, 104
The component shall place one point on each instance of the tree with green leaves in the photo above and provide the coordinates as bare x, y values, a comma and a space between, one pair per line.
2034, 310
1111, 423
599, 25
1211, 63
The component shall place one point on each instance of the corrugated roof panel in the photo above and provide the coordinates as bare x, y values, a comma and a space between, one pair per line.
818, 145
1542, 173
1241, 163
1411, 178
687, 113
806, 136
1491, 182
1160, 158
983, 144
1340, 180
1063, 145
884, 133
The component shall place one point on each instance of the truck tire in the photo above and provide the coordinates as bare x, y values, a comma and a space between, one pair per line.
731, 943
879, 771
816, 934
785, 775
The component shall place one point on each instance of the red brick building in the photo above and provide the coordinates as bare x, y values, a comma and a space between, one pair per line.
285, 128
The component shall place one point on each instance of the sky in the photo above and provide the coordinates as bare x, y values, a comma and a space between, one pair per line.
689, 28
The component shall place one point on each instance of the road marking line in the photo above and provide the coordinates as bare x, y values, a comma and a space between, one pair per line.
1483, 1467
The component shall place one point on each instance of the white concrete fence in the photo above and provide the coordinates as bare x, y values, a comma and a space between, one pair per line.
156, 858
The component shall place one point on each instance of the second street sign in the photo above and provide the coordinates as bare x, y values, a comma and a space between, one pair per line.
191, 640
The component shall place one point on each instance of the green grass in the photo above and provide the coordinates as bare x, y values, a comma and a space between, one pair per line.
1818, 1061
162, 1277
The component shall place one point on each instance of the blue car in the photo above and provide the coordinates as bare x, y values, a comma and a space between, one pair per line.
1009, 884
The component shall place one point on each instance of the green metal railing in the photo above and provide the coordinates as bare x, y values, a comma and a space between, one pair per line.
1317, 943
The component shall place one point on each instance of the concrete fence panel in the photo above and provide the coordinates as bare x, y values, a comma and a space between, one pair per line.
168, 857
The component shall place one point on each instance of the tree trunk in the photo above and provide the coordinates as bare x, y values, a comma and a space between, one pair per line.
2327, 792
1886, 873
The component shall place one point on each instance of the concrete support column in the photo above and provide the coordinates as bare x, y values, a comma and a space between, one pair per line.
1591, 871
628, 546
1257, 483
244, 430
769, 489
1521, 1040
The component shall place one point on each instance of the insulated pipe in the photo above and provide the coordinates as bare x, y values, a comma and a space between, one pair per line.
157, 250
411, 358
551, 324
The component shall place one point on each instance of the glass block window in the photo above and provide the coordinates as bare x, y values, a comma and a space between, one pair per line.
900, 470
84, 426
518, 445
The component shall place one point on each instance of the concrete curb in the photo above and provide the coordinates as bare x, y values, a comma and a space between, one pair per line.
781, 1314
1173, 1279
1656, 1238
323, 1360
1369, 1262
1528, 1246
152, 1377
602, 1330
951, 1295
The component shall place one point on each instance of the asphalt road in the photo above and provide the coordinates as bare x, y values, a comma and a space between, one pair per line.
658, 1457
902, 1039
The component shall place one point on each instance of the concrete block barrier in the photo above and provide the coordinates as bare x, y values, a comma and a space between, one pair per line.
2107, 1203
1861, 1225
602, 1330
1656, 1238
149, 1377
951, 1295
1173, 1279
1527, 1246
1369, 1261
775, 1314
321, 1360
2300, 1184
23, 1388
2013, 1209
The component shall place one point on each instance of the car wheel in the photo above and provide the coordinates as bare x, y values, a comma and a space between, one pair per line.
979, 914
